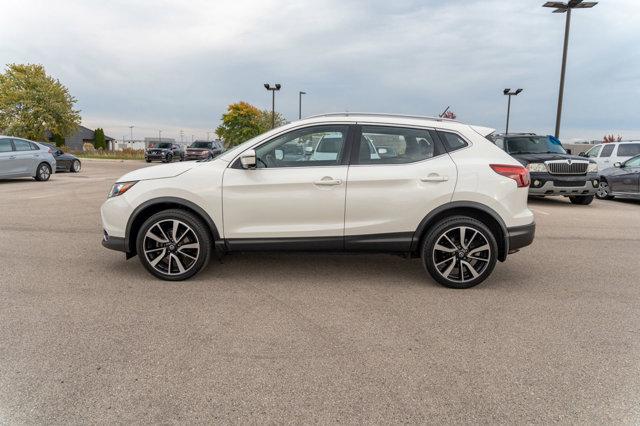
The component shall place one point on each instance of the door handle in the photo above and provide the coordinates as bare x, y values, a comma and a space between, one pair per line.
13, 157
327, 181
434, 178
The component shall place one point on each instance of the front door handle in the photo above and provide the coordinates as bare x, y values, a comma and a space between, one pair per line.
433, 177
327, 181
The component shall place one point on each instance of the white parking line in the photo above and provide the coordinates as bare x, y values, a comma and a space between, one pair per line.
539, 211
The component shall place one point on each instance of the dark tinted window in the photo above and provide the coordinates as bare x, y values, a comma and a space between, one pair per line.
395, 145
21, 145
607, 150
164, 145
201, 145
533, 145
628, 149
5, 145
452, 141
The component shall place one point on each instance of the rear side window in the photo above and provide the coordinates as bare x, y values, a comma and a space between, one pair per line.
628, 149
452, 141
34, 146
396, 145
5, 145
607, 150
21, 145
499, 143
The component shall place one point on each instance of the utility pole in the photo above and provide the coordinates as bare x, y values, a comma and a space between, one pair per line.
509, 93
273, 90
300, 104
131, 133
561, 7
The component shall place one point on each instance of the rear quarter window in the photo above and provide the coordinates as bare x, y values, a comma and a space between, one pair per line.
628, 149
452, 141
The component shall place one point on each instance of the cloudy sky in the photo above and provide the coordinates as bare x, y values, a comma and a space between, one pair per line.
172, 65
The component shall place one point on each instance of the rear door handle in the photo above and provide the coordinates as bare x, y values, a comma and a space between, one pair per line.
434, 178
327, 181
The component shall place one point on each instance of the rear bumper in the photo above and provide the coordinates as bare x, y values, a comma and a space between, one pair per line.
521, 236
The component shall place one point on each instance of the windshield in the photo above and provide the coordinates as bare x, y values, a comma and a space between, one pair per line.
533, 145
163, 145
201, 145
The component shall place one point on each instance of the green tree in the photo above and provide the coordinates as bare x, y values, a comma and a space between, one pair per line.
57, 139
241, 122
98, 139
265, 120
32, 103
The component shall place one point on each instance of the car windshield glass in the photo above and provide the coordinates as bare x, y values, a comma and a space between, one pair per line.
164, 145
201, 145
534, 145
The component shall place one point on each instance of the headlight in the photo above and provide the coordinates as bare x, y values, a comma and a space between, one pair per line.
120, 188
536, 167
592, 168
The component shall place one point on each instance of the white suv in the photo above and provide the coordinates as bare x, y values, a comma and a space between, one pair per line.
435, 188
608, 154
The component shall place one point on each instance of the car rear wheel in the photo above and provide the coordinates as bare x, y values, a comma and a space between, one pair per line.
459, 252
75, 166
43, 172
147, 160
604, 192
174, 245
582, 200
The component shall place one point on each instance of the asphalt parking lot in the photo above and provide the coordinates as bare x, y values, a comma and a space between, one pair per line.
85, 336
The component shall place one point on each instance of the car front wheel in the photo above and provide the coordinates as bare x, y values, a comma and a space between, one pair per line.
582, 200
459, 252
604, 192
174, 245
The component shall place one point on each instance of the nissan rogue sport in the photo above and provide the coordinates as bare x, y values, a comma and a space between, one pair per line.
422, 187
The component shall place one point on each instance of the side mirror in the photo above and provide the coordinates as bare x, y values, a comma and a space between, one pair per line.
617, 164
59, 152
248, 159
568, 151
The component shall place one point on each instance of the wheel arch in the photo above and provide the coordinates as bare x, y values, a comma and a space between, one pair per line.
467, 208
155, 205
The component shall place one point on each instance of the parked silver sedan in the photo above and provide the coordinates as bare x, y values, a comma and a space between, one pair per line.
23, 158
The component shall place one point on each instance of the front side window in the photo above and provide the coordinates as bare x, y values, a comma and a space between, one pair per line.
5, 145
593, 152
395, 145
607, 150
533, 145
633, 162
628, 149
311, 146
21, 145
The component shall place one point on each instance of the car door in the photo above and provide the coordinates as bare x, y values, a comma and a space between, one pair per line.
605, 160
295, 201
627, 178
396, 177
8, 165
25, 157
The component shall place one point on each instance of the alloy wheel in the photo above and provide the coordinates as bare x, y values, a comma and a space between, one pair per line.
44, 172
171, 247
603, 190
461, 254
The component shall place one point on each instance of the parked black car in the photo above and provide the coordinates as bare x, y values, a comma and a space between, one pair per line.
622, 180
65, 162
553, 170
165, 152
202, 150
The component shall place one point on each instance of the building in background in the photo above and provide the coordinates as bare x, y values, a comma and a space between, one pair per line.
82, 135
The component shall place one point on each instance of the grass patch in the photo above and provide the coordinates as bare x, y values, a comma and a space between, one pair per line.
125, 154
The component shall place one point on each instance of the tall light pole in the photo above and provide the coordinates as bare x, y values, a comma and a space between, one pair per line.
273, 90
131, 133
509, 93
561, 7
159, 136
300, 104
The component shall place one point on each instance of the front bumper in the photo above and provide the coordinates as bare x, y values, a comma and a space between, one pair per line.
197, 156
113, 243
521, 236
154, 157
548, 184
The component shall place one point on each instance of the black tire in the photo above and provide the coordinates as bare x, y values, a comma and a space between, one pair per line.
147, 160
182, 158
168, 158
147, 248
436, 261
583, 200
75, 166
43, 172
604, 191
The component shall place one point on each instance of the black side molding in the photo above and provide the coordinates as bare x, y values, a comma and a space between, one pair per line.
521, 236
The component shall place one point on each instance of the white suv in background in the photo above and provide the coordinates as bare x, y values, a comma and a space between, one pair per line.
436, 189
608, 154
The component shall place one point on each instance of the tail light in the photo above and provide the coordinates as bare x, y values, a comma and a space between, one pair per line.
50, 151
517, 173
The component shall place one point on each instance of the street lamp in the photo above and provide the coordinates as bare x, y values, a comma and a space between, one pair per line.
300, 104
509, 93
561, 7
273, 90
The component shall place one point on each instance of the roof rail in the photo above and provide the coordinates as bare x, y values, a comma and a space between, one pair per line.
381, 114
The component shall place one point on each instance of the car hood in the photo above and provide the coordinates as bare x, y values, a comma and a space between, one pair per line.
158, 172
541, 158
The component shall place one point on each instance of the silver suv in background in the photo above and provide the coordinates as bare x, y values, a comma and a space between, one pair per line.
23, 158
